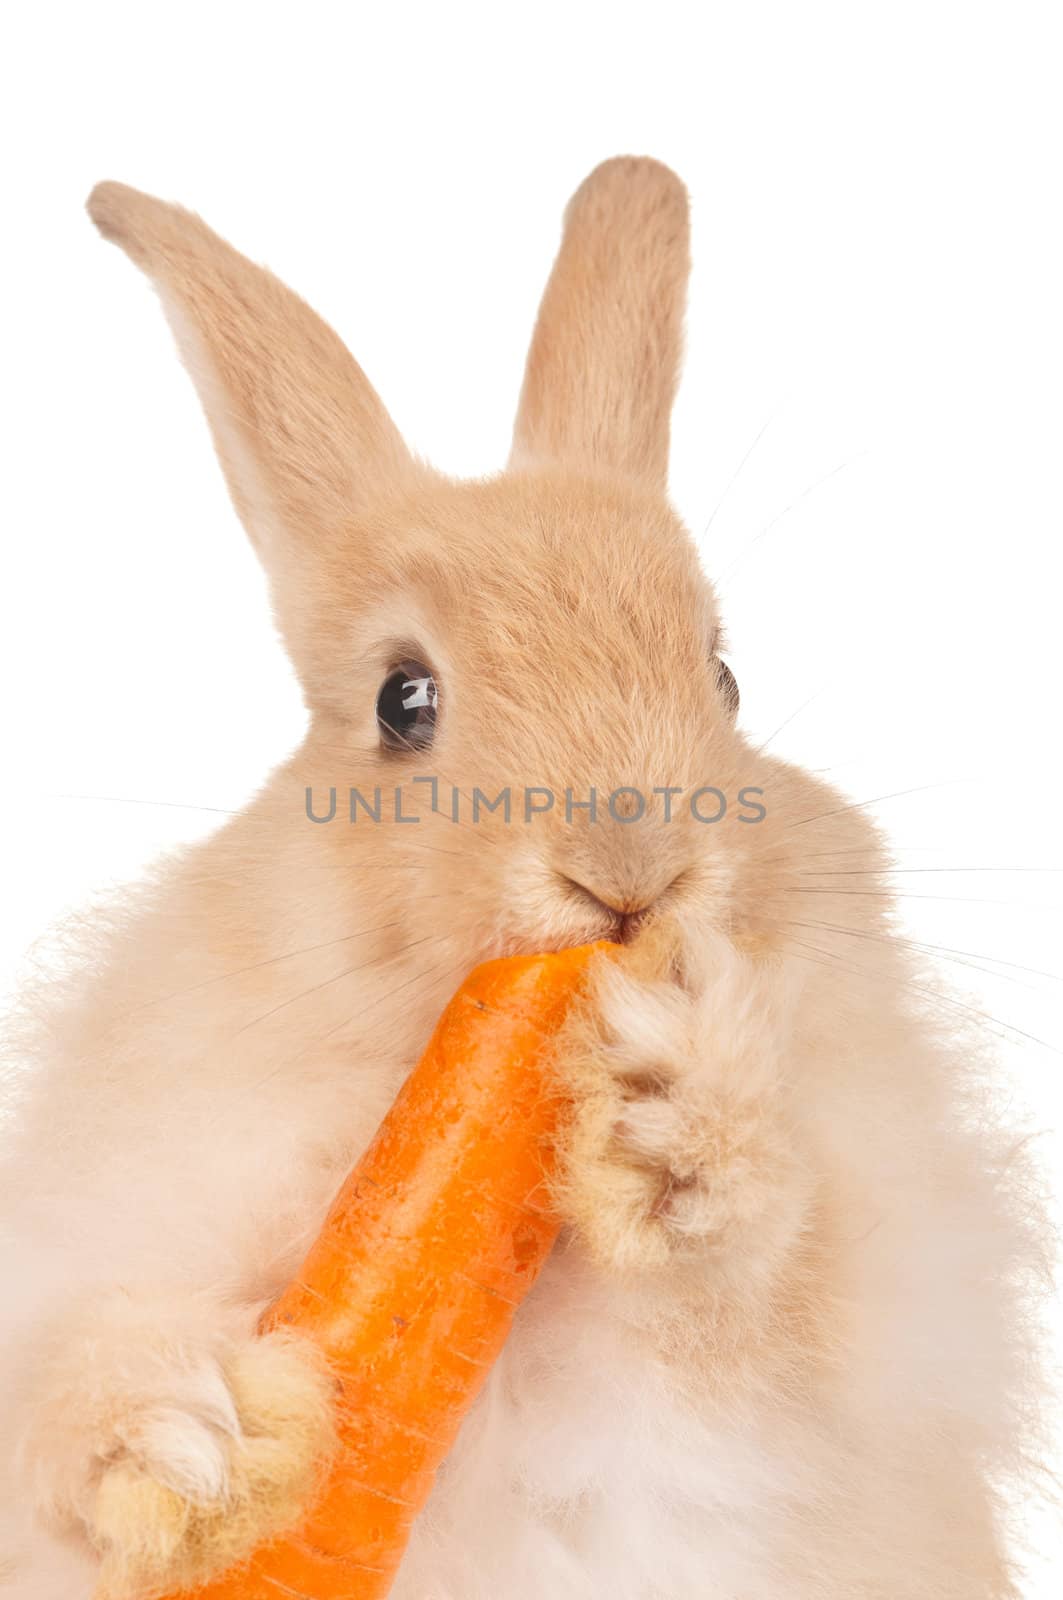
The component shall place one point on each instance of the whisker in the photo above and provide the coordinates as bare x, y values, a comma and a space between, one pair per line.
270, 961
270, 823
785, 512
936, 996
282, 1066
863, 850
881, 858
738, 471
326, 983
856, 872
949, 952
454, 967
759, 751
948, 899
860, 805
333, 868
130, 800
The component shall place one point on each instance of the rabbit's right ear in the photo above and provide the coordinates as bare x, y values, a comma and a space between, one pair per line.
303, 439
604, 360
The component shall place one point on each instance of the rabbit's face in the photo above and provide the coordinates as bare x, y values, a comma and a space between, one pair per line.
565, 708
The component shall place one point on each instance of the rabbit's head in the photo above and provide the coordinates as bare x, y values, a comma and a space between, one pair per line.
541, 650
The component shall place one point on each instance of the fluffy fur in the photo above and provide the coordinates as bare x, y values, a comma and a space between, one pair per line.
785, 1349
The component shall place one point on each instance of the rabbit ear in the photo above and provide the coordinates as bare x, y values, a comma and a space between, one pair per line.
303, 439
604, 358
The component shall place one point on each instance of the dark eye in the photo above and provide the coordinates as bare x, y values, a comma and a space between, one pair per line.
406, 707
727, 685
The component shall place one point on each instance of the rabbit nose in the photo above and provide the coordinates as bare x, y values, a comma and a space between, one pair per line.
628, 915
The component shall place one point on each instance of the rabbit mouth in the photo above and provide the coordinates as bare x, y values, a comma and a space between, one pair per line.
621, 923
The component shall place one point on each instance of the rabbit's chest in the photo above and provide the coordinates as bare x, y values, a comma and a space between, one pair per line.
581, 1471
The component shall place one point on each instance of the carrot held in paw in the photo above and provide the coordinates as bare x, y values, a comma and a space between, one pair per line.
411, 1288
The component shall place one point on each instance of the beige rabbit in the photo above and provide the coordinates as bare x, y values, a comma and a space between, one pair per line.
783, 1351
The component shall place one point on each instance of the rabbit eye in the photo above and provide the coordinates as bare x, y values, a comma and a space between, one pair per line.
406, 707
727, 685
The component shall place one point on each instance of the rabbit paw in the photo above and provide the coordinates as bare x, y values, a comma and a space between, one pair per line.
678, 1143
188, 1455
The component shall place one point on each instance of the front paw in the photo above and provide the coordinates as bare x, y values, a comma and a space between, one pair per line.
179, 1456
680, 1142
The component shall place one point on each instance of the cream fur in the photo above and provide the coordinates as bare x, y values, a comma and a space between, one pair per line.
786, 1349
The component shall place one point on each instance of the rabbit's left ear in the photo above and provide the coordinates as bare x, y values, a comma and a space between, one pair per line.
604, 360
304, 441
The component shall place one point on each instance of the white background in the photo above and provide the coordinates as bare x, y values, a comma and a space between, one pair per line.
875, 302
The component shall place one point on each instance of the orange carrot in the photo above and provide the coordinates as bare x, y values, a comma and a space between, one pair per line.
411, 1288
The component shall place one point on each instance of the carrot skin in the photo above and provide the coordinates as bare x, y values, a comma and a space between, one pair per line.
412, 1285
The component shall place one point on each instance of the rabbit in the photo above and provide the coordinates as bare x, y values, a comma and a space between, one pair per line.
786, 1348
